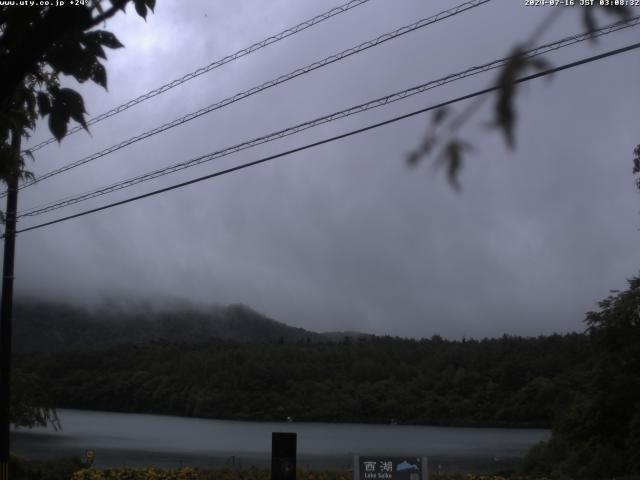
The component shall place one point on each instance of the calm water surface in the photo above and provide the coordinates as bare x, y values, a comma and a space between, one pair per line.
152, 440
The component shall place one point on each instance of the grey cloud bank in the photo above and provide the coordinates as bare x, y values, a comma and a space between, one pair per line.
346, 236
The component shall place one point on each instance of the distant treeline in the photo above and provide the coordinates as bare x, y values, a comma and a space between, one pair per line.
509, 381
48, 326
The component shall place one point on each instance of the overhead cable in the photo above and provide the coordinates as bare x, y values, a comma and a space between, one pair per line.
379, 102
337, 137
212, 66
272, 83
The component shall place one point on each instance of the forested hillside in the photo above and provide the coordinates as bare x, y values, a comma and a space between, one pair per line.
46, 326
507, 381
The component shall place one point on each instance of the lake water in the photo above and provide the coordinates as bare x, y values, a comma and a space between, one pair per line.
152, 440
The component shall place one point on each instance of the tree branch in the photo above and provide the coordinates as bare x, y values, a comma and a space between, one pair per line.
117, 5
52, 28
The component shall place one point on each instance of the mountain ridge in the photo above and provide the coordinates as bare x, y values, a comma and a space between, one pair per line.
41, 325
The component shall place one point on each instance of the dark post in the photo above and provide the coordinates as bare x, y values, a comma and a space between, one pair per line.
283, 456
6, 309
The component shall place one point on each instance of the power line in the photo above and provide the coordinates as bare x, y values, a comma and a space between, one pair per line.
271, 83
212, 66
325, 119
337, 137
379, 102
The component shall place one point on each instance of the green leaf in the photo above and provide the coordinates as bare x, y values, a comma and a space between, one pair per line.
413, 158
66, 104
453, 157
58, 124
92, 44
454, 162
621, 11
141, 8
44, 104
27, 175
30, 103
151, 4
27, 153
121, 5
539, 63
439, 115
107, 39
99, 75
81, 18
73, 59
589, 21
506, 116
62, 58
73, 103
504, 112
425, 148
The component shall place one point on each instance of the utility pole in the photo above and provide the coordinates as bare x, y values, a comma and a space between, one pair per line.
6, 310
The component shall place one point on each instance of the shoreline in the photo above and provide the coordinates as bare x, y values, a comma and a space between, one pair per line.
479, 425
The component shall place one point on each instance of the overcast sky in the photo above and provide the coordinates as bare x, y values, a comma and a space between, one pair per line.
345, 236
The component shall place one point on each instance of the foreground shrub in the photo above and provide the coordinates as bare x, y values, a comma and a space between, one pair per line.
58, 469
197, 474
249, 474
137, 474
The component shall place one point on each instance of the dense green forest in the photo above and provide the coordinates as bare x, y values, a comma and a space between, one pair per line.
598, 436
507, 381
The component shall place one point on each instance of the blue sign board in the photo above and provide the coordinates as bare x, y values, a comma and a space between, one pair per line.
389, 468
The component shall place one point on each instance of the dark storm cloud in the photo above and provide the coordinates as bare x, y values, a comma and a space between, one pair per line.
345, 236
